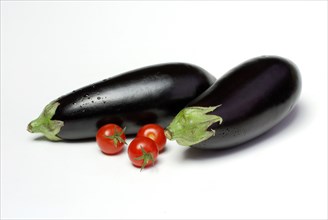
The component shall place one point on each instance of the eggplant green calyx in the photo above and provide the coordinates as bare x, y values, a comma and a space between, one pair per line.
43, 124
190, 125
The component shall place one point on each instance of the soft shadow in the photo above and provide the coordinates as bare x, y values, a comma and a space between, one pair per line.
43, 138
165, 150
198, 154
40, 138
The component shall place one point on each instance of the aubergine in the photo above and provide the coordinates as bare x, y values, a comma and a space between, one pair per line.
246, 102
153, 94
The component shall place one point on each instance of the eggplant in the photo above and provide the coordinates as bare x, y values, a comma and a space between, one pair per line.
246, 102
153, 94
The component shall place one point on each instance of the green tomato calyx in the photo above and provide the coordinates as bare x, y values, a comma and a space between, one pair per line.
116, 137
146, 157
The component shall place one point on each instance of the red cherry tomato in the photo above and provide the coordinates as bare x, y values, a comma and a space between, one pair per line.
142, 152
154, 132
111, 139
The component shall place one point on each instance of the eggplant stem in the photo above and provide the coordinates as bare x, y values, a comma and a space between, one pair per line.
190, 125
43, 124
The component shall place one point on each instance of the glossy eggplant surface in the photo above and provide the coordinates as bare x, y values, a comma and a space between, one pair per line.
153, 94
243, 104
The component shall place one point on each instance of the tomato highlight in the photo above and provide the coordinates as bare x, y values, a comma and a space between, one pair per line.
154, 132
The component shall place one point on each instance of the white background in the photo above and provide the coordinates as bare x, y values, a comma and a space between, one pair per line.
49, 48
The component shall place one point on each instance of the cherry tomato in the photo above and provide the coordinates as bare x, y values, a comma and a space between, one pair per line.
154, 132
111, 139
142, 152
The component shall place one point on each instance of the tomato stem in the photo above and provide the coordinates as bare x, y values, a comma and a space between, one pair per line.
116, 137
146, 157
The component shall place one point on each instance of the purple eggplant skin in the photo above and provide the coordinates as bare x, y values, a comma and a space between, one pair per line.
249, 100
153, 94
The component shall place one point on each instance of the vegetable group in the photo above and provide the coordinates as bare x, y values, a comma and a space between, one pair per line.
246, 102
143, 150
152, 94
198, 112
